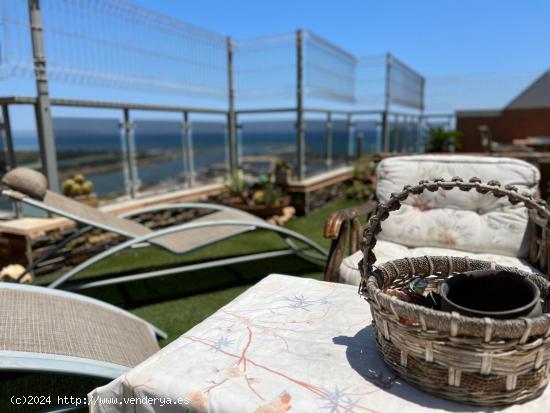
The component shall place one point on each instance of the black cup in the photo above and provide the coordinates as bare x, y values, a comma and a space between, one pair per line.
495, 294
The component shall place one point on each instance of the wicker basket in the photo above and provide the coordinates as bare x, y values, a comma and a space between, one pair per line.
479, 361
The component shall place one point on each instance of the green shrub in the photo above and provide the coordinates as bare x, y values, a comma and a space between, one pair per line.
441, 140
364, 168
359, 190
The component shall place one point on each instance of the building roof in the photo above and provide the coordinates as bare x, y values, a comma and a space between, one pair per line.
536, 95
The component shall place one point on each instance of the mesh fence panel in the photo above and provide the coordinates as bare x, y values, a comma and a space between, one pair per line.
265, 68
329, 72
406, 86
15, 44
112, 43
371, 80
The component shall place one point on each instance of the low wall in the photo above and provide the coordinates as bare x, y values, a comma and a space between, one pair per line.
312, 193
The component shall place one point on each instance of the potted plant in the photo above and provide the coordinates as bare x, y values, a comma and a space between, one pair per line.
364, 169
359, 191
80, 189
262, 199
283, 172
235, 187
364, 179
441, 140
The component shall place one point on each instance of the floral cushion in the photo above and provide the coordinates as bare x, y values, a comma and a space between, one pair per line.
387, 251
457, 220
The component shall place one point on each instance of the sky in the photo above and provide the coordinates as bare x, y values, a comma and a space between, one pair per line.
474, 53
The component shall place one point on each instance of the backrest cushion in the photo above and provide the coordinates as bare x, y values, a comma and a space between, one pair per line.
27, 181
467, 221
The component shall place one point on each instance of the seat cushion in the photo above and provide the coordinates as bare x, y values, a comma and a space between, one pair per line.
387, 251
457, 220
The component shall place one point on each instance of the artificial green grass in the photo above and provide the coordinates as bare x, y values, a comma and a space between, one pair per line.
177, 302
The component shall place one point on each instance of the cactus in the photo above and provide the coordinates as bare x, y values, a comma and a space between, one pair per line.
77, 186
259, 197
77, 190
68, 185
87, 187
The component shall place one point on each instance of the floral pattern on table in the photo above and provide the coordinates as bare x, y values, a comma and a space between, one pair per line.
288, 344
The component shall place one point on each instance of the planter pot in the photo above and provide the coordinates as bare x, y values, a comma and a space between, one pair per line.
495, 294
234, 200
262, 211
90, 200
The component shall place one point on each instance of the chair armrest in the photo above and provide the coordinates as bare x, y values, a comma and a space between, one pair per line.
343, 228
334, 221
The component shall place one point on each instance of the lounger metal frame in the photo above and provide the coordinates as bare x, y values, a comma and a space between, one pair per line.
288, 236
55, 363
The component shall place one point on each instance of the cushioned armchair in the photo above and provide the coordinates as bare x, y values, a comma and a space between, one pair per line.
444, 222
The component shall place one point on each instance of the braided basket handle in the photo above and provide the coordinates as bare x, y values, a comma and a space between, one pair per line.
374, 225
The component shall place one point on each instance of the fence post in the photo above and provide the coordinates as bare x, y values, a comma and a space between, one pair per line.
6, 126
300, 135
43, 109
421, 115
419, 132
350, 126
387, 100
328, 160
231, 121
130, 153
10, 153
397, 144
188, 144
239, 134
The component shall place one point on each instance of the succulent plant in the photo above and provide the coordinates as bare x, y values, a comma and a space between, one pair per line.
235, 184
79, 179
87, 187
259, 197
68, 185
76, 190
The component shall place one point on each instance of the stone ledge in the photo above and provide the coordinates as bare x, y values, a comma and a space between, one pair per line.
320, 181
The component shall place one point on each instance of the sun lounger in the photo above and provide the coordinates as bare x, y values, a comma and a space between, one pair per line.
49, 334
30, 187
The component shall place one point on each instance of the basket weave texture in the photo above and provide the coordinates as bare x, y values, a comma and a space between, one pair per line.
481, 361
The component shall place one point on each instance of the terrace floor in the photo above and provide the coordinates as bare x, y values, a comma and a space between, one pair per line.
176, 303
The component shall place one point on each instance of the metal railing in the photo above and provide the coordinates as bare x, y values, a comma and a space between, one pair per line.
330, 137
